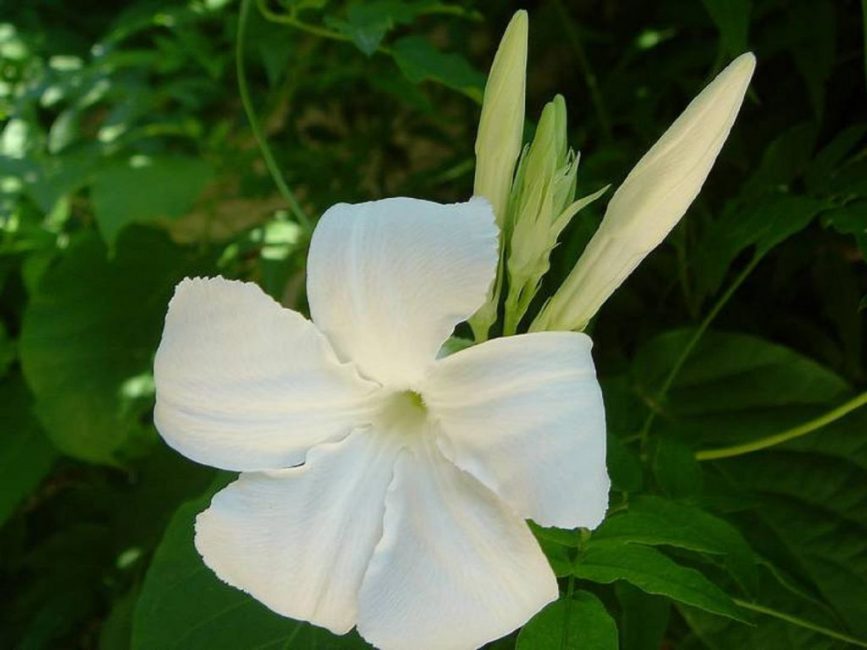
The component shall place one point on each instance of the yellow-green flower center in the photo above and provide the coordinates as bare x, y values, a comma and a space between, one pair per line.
403, 412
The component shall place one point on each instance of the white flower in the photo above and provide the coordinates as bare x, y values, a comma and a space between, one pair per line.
407, 516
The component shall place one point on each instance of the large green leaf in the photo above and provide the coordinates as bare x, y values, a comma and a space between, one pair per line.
26, 454
655, 573
184, 606
660, 522
769, 632
813, 494
88, 338
643, 618
579, 621
733, 386
145, 188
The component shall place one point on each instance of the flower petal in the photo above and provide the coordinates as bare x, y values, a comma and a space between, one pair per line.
389, 280
524, 415
299, 540
455, 568
244, 384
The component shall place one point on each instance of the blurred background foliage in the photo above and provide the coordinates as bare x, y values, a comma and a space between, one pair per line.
127, 162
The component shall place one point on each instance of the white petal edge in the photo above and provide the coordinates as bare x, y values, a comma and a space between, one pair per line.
455, 567
245, 384
299, 540
388, 280
524, 415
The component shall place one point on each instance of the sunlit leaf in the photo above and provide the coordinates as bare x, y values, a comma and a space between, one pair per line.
143, 189
420, 61
89, 335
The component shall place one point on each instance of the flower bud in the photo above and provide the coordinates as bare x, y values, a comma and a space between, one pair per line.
540, 207
501, 125
652, 199
498, 145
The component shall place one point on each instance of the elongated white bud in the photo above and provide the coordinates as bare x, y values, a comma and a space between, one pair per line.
652, 199
498, 145
501, 126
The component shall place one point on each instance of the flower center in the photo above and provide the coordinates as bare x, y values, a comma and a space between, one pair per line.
402, 412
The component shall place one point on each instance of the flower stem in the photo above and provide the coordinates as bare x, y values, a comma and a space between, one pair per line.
794, 620
785, 436
256, 127
693, 341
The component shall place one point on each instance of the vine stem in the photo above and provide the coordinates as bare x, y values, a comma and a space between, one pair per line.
693, 341
794, 620
570, 591
255, 126
785, 436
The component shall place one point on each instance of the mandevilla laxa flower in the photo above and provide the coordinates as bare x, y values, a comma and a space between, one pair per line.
406, 517
384, 485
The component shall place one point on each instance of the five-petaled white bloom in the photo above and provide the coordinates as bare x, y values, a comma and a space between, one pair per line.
381, 486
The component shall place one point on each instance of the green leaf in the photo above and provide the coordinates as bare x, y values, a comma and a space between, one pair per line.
559, 555
656, 521
117, 628
761, 224
420, 61
734, 385
812, 31
88, 337
651, 571
833, 156
813, 494
184, 606
26, 455
732, 19
624, 466
143, 189
675, 468
580, 621
368, 23
769, 633
785, 159
7, 351
643, 618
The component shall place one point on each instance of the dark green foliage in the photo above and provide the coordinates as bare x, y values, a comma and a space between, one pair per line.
127, 163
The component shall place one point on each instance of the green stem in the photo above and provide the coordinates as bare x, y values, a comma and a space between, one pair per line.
570, 590
256, 127
693, 341
702, 328
794, 620
785, 436
589, 75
